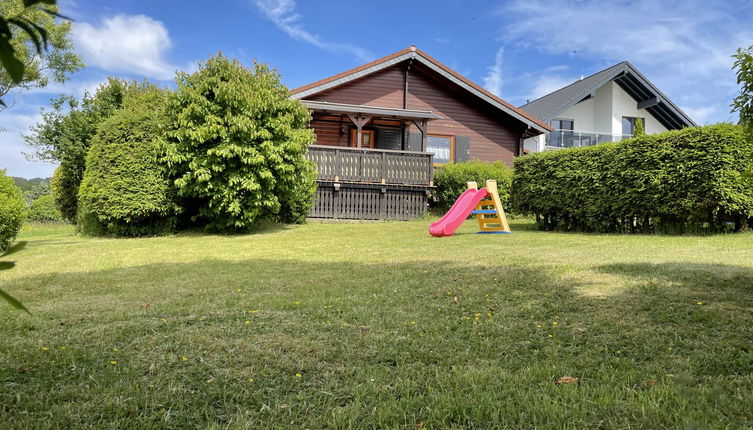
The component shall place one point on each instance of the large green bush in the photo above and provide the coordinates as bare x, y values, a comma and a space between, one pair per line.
125, 190
236, 146
12, 211
451, 180
689, 180
43, 209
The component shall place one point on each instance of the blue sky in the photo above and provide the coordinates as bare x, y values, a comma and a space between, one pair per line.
518, 49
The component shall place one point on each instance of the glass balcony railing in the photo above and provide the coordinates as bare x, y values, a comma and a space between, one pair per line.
577, 139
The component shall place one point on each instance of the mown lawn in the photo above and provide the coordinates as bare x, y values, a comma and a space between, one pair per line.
378, 325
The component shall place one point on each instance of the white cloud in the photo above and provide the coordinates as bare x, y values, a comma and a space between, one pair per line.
684, 46
283, 14
133, 44
13, 146
545, 84
493, 78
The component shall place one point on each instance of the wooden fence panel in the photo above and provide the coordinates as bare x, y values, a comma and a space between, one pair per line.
368, 202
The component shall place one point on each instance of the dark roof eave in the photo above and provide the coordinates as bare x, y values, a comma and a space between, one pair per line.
384, 112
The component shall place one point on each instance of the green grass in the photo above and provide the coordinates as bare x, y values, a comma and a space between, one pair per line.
378, 326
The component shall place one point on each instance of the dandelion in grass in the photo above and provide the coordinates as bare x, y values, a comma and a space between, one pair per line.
247, 322
296, 303
538, 325
62, 348
184, 358
163, 319
412, 323
699, 303
298, 375
44, 348
238, 290
115, 350
113, 362
554, 323
250, 379
550, 335
253, 311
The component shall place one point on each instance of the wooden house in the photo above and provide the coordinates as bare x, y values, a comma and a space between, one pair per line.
382, 129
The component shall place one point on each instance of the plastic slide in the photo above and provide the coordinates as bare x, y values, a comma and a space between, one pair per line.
458, 212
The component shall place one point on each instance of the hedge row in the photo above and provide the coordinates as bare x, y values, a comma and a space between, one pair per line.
451, 180
692, 180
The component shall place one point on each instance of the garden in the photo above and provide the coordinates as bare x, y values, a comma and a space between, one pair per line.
166, 278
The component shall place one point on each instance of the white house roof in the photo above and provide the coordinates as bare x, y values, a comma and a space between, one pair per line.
626, 76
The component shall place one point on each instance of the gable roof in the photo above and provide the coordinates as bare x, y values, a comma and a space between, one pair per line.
413, 53
627, 77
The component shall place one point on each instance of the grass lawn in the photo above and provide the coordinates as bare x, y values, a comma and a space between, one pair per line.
378, 325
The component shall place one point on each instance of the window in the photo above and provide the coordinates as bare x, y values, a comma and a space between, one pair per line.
628, 124
563, 124
442, 147
367, 137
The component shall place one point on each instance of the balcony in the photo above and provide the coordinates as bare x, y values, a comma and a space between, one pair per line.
558, 139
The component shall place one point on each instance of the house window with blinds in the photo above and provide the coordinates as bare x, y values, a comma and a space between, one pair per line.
442, 147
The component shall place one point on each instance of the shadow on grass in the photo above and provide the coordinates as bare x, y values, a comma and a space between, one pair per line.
708, 277
392, 344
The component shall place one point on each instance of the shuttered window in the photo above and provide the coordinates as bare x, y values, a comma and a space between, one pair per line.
442, 147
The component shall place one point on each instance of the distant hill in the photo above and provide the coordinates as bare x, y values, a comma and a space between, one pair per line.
29, 184
33, 188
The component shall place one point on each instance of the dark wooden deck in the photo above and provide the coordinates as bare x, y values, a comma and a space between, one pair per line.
339, 164
371, 184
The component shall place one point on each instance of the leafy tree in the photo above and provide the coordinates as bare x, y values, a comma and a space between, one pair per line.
34, 48
743, 103
65, 133
125, 190
236, 146
43, 209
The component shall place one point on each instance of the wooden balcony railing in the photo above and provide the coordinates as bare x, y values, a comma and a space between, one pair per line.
340, 164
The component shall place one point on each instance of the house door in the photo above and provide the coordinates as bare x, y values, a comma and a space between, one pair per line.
367, 137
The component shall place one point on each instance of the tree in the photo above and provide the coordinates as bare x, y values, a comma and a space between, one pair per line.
743, 103
125, 190
64, 136
34, 47
236, 145
639, 128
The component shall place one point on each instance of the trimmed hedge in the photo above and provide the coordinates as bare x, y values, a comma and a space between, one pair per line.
43, 209
12, 211
692, 180
125, 190
451, 180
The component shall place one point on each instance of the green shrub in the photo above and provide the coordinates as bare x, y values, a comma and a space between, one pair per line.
236, 146
451, 180
64, 186
12, 211
43, 209
690, 180
125, 190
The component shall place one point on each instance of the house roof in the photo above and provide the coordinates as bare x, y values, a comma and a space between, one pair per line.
413, 53
626, 76
382, 112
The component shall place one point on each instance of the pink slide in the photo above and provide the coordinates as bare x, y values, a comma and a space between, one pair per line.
457, 213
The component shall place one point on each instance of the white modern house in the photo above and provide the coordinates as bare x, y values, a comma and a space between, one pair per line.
603, 108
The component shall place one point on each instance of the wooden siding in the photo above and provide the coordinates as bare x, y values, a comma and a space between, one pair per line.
493, 135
